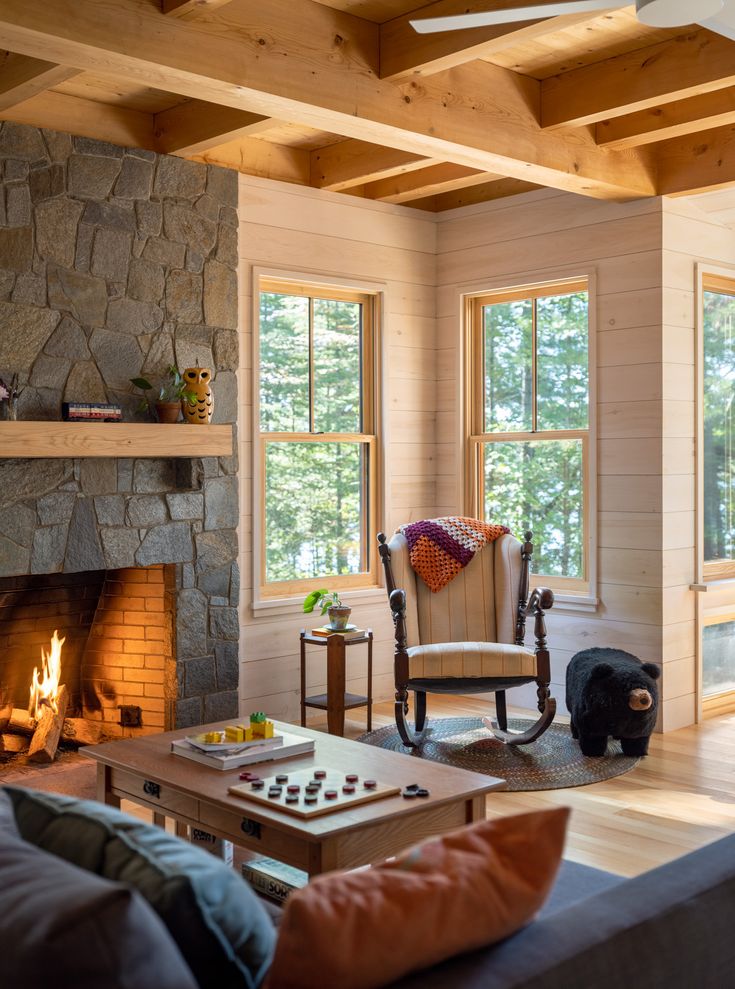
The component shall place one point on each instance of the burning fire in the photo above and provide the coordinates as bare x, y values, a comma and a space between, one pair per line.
45, 689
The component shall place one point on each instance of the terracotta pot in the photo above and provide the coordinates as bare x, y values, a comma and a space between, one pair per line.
168, 411
339, 615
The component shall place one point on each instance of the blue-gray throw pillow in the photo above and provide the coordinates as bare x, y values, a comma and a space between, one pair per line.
218, 923
64, 927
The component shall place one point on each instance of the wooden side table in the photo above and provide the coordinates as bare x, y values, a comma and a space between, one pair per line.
336, 700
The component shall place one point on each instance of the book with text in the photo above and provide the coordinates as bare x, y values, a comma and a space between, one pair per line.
272, 878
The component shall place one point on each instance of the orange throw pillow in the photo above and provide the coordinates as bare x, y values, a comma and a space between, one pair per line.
364, 929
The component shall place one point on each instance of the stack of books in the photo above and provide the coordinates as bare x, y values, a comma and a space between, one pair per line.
283, 745
91, 412
351, 632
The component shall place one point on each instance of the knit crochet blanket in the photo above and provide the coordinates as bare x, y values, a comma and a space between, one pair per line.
440, 548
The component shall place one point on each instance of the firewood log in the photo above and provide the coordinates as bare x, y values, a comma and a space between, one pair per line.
14, 743
5, 711
46, 736
21, 721
79, 731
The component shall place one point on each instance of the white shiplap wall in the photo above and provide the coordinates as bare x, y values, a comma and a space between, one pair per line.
639, 257
301, 230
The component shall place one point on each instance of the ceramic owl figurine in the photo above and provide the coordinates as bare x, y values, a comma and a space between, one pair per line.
198, 382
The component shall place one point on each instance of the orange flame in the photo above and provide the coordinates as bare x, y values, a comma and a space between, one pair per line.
45, 687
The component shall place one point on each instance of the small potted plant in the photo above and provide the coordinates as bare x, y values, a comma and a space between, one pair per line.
170, 395
339, 614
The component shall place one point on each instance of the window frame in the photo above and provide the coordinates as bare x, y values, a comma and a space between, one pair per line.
571, 591
723, 701
318, 287
721, 281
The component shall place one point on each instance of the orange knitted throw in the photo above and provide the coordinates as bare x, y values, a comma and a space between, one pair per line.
440, 548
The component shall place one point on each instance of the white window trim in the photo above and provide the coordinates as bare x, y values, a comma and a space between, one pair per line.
563, 601
293, 604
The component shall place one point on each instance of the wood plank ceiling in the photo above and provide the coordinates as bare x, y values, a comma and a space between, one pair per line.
344, 95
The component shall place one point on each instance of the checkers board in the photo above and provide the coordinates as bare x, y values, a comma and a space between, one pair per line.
311, 799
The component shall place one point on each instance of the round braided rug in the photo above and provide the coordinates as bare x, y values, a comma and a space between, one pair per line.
551, 762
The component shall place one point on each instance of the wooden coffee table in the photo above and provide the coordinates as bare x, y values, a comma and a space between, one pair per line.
145, 771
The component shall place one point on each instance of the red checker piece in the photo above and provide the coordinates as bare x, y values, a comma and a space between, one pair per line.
320, 774
351, 778
370, 784
348, 788
330, 794
293, 788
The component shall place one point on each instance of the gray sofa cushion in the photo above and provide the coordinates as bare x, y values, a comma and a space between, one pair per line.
63, 927
218, 923
670, 927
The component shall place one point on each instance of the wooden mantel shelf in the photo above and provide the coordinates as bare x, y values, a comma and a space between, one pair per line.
113, 439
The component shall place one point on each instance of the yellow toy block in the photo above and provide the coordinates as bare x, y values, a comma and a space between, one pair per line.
235, 733
213, 736
248, 734
262, 729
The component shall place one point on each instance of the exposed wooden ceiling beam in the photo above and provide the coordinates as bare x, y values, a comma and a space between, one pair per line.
425, 182
352, 163
85, 118
700, 162
686, 66
404, 52
189, 9
330, 84
671, 120
254, 157
472, 195
194, 127
22, 77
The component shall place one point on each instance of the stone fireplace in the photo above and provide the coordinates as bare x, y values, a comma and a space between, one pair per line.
116, 263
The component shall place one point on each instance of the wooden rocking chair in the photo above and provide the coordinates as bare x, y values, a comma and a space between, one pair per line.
468, 637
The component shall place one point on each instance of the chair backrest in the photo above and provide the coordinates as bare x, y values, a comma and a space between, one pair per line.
479, 605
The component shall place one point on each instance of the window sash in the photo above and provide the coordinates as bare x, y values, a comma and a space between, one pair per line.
476, 417
724, 568
368, 575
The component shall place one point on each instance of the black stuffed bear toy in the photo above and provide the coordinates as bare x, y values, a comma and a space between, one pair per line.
611, 692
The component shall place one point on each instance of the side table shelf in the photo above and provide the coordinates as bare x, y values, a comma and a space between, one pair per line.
336, 700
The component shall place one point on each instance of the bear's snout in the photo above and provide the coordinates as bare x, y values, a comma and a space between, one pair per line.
640, 700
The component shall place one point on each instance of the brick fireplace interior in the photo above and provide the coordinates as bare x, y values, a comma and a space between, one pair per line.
117, 660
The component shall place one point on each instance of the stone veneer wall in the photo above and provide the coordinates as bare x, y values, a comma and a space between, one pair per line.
116, 263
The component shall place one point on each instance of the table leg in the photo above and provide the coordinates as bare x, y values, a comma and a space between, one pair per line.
336, 685
476, 809
303, 681
370, 684
104, 786
159, 820
182, 830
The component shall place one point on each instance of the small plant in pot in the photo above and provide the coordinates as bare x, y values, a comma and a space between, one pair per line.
170, 395
329, 601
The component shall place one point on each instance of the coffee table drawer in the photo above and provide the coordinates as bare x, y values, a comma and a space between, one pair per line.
260, 837
156, 795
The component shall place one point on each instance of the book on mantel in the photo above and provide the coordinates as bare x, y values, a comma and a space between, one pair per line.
291, 745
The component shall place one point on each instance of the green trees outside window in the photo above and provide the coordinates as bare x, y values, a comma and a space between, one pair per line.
317, 437
531, 404
719, 427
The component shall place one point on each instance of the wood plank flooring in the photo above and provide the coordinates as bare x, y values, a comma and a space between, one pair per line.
681, 797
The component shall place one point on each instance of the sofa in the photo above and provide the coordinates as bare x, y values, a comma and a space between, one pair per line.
671, 927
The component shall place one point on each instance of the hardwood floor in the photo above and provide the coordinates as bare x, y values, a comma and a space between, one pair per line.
682, 796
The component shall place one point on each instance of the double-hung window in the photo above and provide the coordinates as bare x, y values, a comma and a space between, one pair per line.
528, 414
317, 438
719, 426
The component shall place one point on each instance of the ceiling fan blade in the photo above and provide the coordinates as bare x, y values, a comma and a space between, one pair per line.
534, 12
